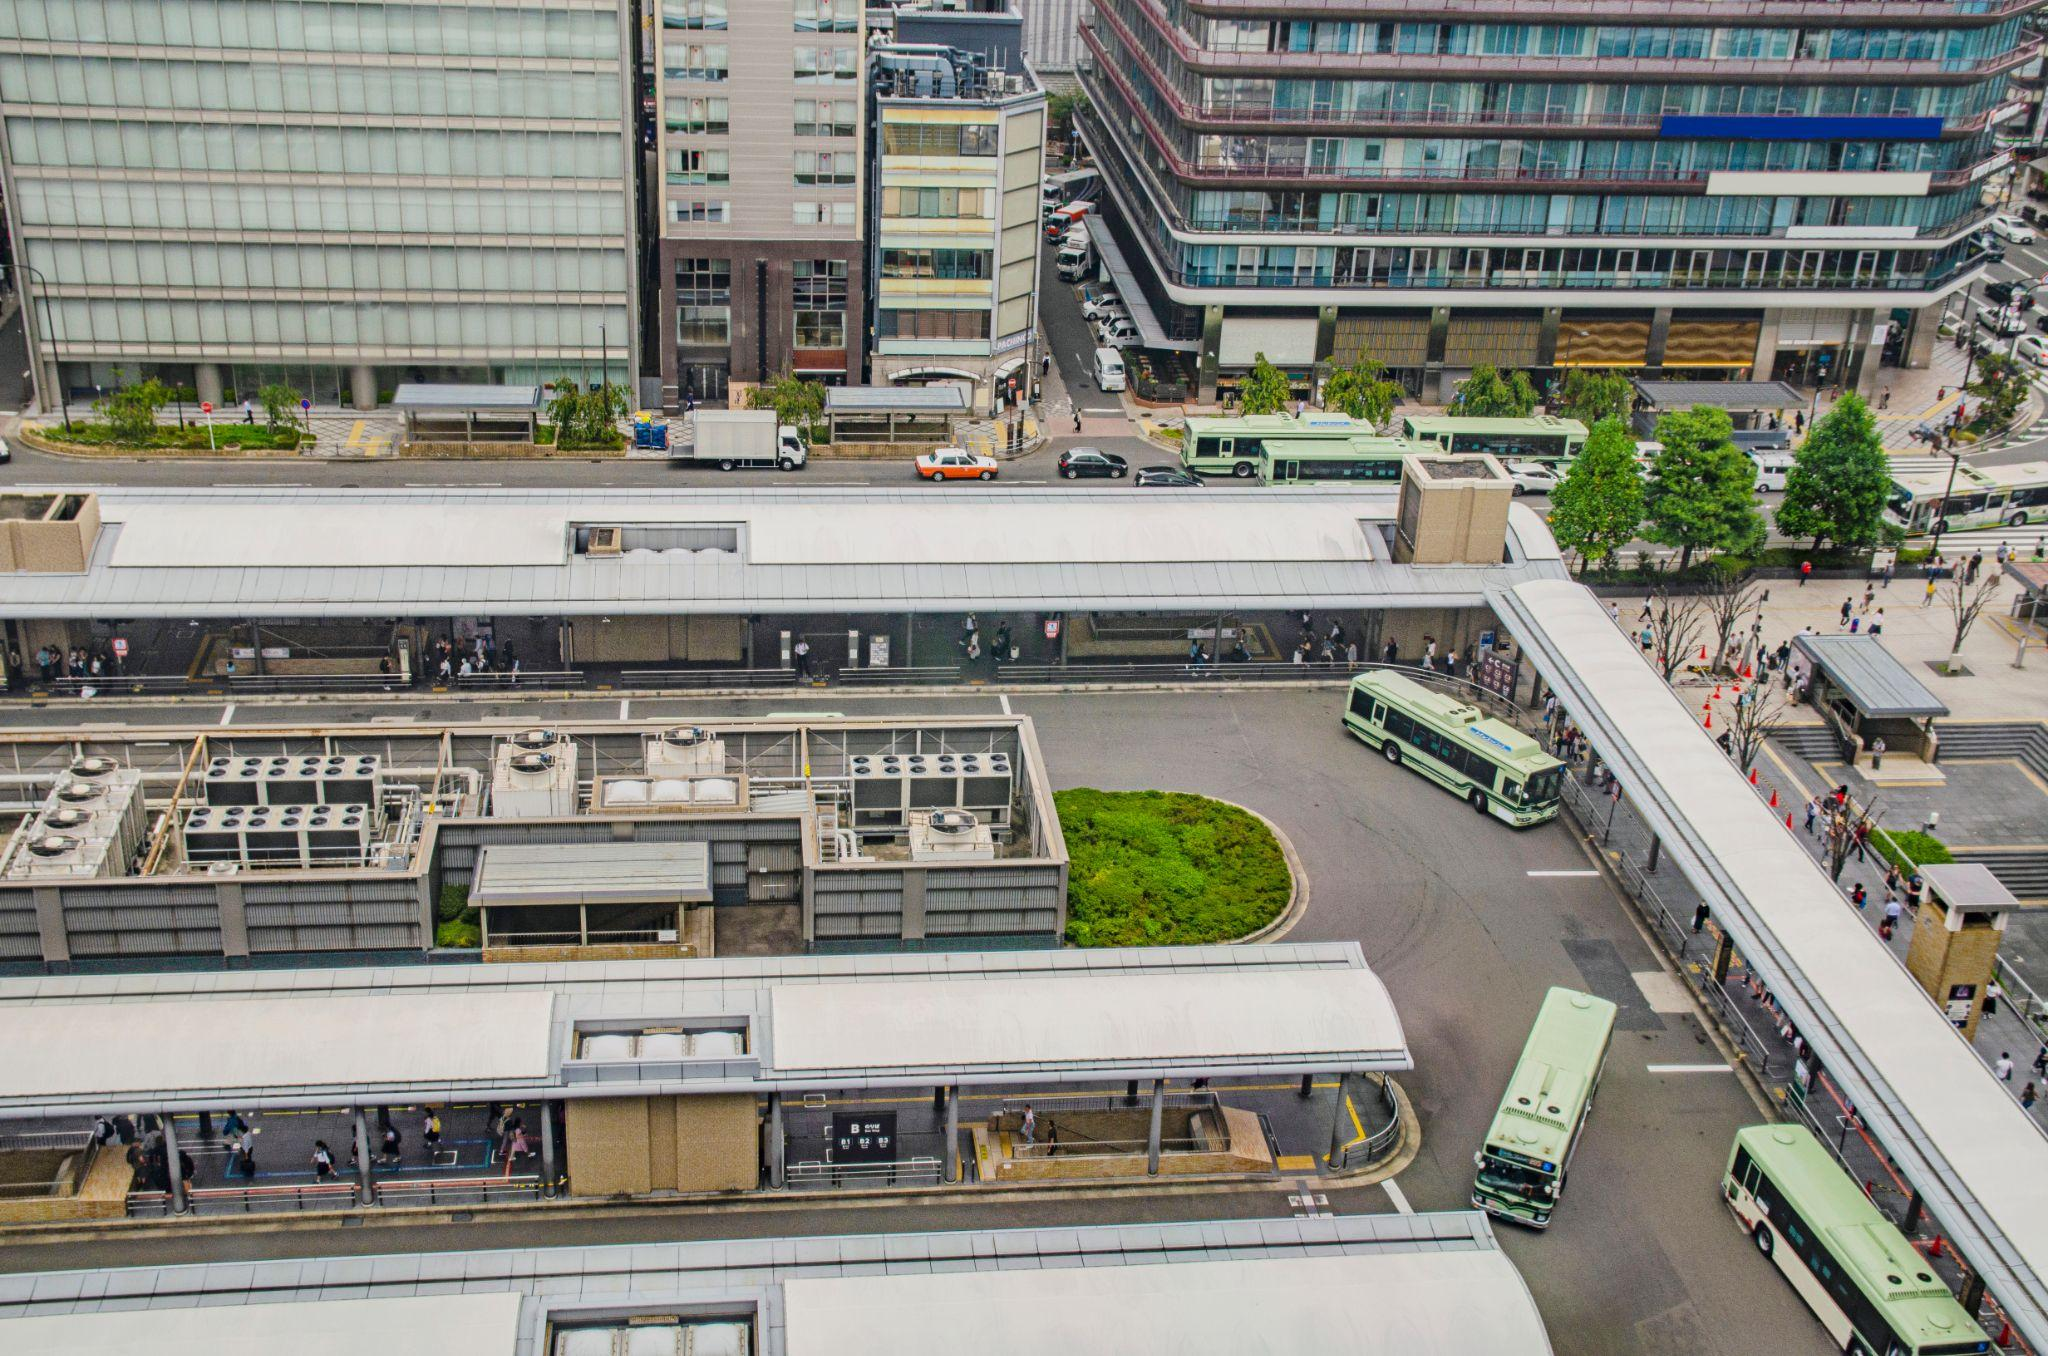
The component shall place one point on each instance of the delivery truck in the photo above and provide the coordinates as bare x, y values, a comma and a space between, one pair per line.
731, 439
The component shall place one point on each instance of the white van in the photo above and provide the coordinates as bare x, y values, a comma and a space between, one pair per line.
1109, 369
1073, 260
1770, 470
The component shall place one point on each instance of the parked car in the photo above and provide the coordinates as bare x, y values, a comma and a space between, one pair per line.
2009, 227
1531, 477
1100, 306
1117, 332
2038, 315
2032, 348
1168, 477
1999, 320
955, 463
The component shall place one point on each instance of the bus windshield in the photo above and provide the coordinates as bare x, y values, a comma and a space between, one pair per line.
1541, 789
1513, 1177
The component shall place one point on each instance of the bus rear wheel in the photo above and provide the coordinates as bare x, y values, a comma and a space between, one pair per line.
1478, 799
1243, 470
1762, 1235
1393, 754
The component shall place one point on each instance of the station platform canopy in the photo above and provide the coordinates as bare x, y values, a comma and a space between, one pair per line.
1956, 1133
811, 1023
1353, 1285
238, 552
1737, 397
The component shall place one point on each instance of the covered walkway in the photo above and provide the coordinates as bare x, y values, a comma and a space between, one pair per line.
1865, 694
1976, 1162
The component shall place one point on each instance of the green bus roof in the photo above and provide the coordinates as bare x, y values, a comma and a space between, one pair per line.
1888, 1268
1462, 721
1547, 1093
1317, 425
1457, 423
1330, 449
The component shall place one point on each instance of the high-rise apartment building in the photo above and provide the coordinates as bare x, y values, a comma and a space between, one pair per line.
958, 148
340, 196
760, 193
1700, 188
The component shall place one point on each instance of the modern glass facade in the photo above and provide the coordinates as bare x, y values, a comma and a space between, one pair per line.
356, 194
1735, 156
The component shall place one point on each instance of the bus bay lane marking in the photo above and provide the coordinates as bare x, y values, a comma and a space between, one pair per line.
1563, 873
1690, 1068
1395, 1194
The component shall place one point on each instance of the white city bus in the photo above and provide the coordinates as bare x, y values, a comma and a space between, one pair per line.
1982, 496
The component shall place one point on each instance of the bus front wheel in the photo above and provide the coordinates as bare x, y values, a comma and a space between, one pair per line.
1243, 470
1393, 754
1478, 799
1763, 1238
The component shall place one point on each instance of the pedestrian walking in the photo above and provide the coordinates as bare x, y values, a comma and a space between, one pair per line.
1859, 896
1847, 607
1029, 1124
2028, 1097
430, 1133
2003, 1068
1391, 652
803, 659
1805, 573
1812, 813
1877, 753
391, 1147
1885, 580
248, 412
1876, 624
323, 1161
1077, 419
1992, 993
1045, 364
1927, 598
1891, 908
1891, 879
1976, 564
2041, 1061
245, 1151
1884, 398
1614, 611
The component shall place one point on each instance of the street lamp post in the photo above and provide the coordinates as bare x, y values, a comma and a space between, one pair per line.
43, 295
1955, 461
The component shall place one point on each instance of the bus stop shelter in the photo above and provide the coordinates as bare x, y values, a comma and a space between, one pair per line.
469, 414
1865, 694
1749, 403
894, 414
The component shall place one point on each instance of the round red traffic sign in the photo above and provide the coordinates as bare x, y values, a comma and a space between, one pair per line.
206, 407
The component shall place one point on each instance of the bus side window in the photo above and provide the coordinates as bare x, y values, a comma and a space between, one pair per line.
1360, 703
1379, 714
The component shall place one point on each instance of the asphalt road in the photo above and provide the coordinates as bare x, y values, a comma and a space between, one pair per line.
1467, 921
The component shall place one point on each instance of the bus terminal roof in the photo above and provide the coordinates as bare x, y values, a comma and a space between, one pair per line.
1953, 1129
1353, 1285
316, 1038
301, 553
1870, 676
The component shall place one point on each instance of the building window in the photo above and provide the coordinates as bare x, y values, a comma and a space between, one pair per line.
693, 13
972, 264
689, 166
824, 167
818, 299
703, 302
681, 211
821, 214
699, 115
890, 324
827, 16
945, 204
693, 61
944, 138
824, 65
824, 117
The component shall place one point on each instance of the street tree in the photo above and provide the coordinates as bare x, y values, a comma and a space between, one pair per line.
1591, 394
1598, 506
280, 405
1964, 601
1362, 391
1757, 713
1264, 390
1486, 394
1726, 599
2003, 382
795, 401
1702, 490
1677, 623
1836, 488
131, 410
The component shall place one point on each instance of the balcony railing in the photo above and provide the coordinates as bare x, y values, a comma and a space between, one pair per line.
1489, 119
1299, 172
1537, 66
1809, 13
1572, 280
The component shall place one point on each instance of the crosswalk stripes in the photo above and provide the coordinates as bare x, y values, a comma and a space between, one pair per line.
2020, 540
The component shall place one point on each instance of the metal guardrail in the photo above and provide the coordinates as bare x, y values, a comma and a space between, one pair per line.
523, 678
143, 684
921, 676
1376, 1144
813, 1173
248, 1200
709, 678
459, 1190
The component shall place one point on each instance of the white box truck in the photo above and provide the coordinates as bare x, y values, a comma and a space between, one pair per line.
735, 438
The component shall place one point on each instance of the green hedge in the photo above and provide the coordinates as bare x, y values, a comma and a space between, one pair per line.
1910, 848
455, 923
226, 433
1163, 868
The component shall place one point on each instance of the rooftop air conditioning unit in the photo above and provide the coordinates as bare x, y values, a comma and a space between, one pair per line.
110, 797
687, 750
95, 768
950, 836
60, 854
533, 775
605, 541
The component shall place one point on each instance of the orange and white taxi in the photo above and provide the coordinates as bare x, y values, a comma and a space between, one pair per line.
955, 463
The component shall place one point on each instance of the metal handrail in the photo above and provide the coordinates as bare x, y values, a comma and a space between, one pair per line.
430, 1190
1849, 11
522, 678
708, 677
815, 1170
1378, 1143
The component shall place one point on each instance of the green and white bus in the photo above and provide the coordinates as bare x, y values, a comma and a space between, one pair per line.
1498, 769
1529, 1145
1231, 447
1981, 496
1323, 461
1870, 1288
1541, 438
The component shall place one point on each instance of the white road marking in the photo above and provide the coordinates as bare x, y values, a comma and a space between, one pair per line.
1664, 993
1005, 697
624, 703
1689, 1068
228, 715
1395, 1195
1564, 873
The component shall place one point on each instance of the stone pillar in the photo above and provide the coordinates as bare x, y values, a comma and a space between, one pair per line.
1546, 336
1766, 347
1152, 1136
1337, 1138
775, 1147
1660, 335
365, 1179
178, 1201
548, 1173
1919, 351
1433, 373
234, 920
55, 937
953, 1134
362, 386
206, 377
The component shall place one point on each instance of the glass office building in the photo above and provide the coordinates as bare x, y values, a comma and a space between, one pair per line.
1721, 188
342, 196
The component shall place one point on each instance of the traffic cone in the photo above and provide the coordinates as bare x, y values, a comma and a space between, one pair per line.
1788, 819
1710, 721
1752, 776
1774, 804
1717, 693
1703, 652
2004, 1335
1747, 672
1934, 1248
